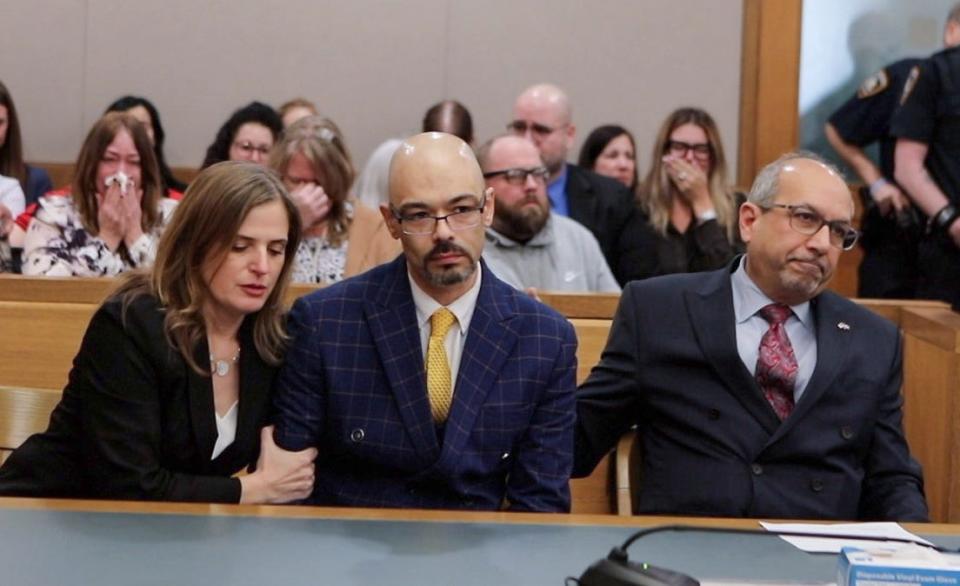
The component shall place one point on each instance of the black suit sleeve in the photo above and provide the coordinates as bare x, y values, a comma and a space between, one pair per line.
117, 370
607, 401
893, 483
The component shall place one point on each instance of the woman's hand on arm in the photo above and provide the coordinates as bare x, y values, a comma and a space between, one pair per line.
281, 476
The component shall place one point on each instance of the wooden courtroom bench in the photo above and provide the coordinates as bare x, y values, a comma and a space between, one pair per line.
40, 331
23, 412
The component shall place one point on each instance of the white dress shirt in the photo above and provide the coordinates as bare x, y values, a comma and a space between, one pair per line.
462, 309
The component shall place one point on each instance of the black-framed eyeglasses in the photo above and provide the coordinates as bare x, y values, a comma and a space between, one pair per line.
808, 222
463, 217
518, 175
519, 127
701, 150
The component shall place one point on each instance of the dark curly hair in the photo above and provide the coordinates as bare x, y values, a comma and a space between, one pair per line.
253, 112
127, 103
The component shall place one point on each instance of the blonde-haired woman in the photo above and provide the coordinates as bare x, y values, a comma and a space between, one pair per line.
689, 219
341, 236
170, 391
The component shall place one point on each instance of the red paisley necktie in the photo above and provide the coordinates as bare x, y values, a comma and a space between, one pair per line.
776, 363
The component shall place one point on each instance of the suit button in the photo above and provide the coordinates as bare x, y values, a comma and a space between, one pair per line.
713, 414
816, 485
757, 469
356, 436
846, 432
505, 456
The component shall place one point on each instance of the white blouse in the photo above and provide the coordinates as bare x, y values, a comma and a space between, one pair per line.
226, 430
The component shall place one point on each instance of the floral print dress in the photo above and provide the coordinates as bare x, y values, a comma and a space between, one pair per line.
57, 245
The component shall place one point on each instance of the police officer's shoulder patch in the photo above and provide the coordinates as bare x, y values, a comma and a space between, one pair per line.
874, 84
910, 84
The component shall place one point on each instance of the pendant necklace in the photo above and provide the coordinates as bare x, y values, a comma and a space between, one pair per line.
221, 366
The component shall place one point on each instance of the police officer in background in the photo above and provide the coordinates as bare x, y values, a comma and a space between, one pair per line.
927, 162
889, 223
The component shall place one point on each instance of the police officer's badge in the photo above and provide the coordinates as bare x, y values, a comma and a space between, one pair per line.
910, 84
874, 84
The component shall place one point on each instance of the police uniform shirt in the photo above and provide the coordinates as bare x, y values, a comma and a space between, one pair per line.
930, 113
865, 117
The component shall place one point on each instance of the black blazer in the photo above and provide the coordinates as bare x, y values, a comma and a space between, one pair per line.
136, 422
606, 207
712, 445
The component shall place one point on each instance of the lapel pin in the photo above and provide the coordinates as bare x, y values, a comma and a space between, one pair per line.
843, 325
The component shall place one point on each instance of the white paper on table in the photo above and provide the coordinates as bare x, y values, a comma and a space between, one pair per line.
827, 545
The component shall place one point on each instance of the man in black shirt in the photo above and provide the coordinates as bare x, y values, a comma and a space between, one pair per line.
927, 160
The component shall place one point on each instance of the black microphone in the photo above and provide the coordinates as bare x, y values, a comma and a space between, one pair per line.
617, 569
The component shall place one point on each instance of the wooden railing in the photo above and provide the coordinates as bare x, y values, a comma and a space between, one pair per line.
42, 322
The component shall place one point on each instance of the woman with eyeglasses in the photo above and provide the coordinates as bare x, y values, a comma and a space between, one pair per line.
111, 218
341, 236
248, 135
689, 209
143, 110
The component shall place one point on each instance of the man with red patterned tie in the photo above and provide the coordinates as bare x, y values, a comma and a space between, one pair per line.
755, 392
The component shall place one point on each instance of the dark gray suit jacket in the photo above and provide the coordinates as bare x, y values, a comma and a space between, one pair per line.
606, 208
712, 445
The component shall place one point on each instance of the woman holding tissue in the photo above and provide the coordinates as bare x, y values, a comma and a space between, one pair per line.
689, 220
113, 219
170, 390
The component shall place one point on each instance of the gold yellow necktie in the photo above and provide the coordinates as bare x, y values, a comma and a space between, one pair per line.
439, 383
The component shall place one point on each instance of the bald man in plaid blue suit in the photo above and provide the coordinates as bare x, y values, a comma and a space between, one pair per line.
355, 384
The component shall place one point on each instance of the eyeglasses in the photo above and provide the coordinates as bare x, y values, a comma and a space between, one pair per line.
463, 217
679, 148
518, 176
249, 148
519, 127
807, 221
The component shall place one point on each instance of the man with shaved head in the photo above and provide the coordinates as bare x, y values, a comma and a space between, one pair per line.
756, 392
428, 382
543, 114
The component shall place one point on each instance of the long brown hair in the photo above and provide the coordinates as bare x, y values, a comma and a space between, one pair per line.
91, 153
202, 232
11, 152
320, 141
656, 193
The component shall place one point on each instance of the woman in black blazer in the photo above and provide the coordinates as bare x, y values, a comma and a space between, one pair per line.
169, 394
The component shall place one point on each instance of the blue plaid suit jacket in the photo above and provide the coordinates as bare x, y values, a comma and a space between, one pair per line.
354, 386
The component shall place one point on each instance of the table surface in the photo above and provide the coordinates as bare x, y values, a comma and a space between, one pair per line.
47, 542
